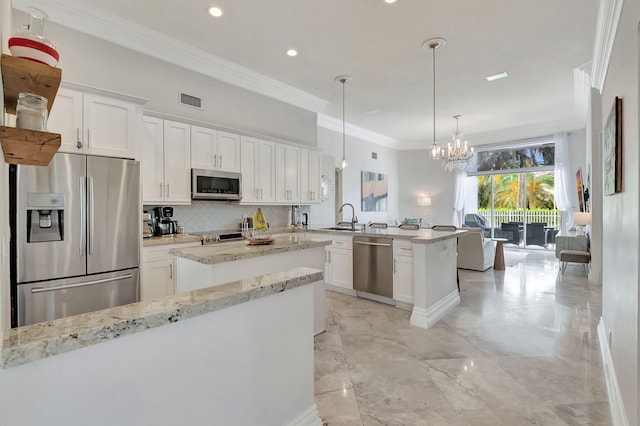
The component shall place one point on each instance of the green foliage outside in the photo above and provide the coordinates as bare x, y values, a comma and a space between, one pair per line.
510, 190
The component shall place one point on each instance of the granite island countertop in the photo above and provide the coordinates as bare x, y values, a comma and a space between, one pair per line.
423, 235
237, 250
38, 341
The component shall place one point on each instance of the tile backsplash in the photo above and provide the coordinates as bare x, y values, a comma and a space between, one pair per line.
212, 215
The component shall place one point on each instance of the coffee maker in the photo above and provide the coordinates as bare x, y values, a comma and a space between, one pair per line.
164, 225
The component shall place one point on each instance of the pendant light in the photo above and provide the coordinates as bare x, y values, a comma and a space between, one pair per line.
344, 79
435, 153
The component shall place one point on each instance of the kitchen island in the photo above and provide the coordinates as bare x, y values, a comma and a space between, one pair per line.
434, 255
204, 266
200, 357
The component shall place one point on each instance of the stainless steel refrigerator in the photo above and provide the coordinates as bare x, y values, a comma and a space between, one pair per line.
75, 243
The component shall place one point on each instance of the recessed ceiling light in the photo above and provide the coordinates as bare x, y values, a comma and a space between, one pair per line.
292, 52
215, 11
390, 1
372, 111
497, 76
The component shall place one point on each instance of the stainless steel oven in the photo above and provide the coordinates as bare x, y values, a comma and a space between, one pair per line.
215, 185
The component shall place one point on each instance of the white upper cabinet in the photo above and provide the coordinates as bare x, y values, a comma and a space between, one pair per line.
309, 176
214, 150
203, 148
258, 170
165, 164
95, 124
287, 174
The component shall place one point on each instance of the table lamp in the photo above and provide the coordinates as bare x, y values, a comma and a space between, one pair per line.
581, 219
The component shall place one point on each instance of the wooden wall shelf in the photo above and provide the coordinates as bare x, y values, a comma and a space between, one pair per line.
30, 147
22, 75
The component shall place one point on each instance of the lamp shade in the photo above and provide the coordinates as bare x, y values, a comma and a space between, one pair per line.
424, 201
582, 218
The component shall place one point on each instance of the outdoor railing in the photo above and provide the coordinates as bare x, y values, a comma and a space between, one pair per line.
500, 216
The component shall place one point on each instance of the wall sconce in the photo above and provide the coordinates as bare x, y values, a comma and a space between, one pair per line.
424, 202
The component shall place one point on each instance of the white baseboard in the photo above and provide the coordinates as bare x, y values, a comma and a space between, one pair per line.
342, 290
404, 305
311, 417
427, 318
616, 406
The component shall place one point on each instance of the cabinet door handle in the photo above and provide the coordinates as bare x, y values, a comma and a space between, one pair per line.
171, 271
88, 137
261, 193
394, 266
168, 191
215, 161
160, 189
220, 166
257, 194
78, 141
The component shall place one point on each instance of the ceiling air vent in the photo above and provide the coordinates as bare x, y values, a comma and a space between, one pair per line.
191, 101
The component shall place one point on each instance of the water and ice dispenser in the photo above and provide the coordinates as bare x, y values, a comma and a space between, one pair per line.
45, 217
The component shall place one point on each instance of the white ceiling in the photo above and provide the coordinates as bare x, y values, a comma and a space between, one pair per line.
539, 43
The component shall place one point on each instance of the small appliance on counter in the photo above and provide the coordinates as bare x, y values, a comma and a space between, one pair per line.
147, 225
164, 224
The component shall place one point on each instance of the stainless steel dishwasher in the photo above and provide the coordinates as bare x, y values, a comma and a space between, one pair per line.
373, 265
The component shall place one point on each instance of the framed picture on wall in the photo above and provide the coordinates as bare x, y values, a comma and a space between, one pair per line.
375, 191
612, 149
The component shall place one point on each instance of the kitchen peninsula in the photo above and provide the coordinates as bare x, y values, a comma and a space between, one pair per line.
200, 357
210, 265
434, 290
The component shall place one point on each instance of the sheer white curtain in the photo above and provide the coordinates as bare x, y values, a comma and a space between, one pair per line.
562, 184
458, 197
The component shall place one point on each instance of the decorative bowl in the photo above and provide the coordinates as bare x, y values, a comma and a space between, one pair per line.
33, 49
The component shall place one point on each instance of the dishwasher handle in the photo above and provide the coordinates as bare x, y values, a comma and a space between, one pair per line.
364, 243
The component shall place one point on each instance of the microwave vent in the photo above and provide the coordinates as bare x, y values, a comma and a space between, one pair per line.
189, 100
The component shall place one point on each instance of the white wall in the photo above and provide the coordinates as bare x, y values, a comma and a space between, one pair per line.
359, 155
620, 237
421, 176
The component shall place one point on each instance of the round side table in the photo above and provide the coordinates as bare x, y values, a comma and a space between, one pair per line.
498, 262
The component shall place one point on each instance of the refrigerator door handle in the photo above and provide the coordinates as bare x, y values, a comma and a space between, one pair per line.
83, 202
86, 283
91, 216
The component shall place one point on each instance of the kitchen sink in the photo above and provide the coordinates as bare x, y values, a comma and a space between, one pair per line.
342, 228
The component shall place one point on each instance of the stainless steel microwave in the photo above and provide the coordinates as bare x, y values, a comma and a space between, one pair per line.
215, 185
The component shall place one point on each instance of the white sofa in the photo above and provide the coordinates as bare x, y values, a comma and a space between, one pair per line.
474, 251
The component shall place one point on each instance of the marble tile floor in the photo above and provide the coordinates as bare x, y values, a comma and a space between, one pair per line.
520, 349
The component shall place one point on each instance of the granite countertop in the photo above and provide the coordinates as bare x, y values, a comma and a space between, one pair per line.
237, 250
38, 341
424, 235
174, 239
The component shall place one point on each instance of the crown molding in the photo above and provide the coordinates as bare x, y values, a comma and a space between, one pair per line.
112, 28
609, 13
335, 124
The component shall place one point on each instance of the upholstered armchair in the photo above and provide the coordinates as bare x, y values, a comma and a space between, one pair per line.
474, 251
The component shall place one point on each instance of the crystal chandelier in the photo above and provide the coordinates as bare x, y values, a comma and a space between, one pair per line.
458, 154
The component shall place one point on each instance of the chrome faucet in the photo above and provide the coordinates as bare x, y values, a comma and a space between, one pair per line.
354, 219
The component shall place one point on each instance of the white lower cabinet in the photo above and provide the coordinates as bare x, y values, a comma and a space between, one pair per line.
403, 271
159, 277
338, 268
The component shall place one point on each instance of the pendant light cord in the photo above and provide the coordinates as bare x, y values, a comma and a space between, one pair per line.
433, 48
343, 127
